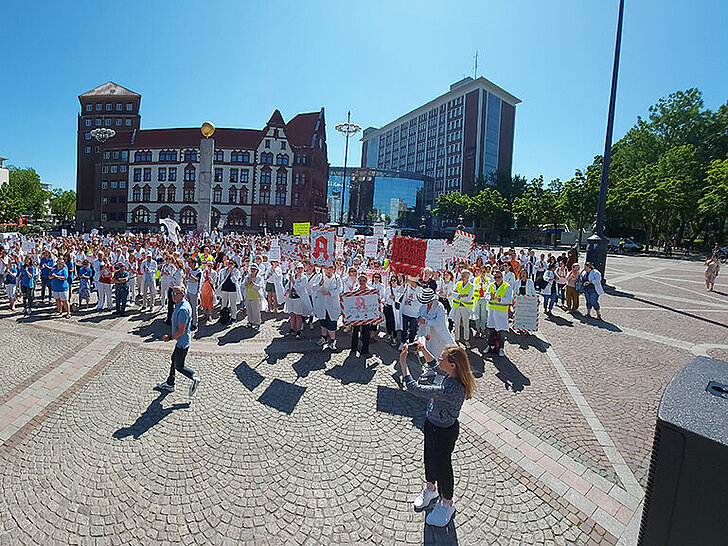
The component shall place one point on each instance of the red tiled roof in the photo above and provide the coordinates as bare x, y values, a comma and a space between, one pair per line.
190, 138
302, 127
276, 120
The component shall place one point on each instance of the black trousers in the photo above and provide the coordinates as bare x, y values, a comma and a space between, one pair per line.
439, 445
178, 364
389, 319
362, 332
170, 306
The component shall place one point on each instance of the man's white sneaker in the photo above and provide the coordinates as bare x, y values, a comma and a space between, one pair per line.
424, 499
441, 514
321, 341
194, 385
164, 386
501, 353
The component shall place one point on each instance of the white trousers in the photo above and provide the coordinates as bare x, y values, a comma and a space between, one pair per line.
149, 294
461, 317
104, 291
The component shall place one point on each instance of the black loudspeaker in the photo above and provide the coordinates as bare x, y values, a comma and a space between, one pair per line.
686, 502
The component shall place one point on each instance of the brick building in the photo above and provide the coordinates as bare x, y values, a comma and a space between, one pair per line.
268, 177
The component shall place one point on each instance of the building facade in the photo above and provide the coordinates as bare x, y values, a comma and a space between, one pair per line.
261, 178
374, 194
454, 139
4, 173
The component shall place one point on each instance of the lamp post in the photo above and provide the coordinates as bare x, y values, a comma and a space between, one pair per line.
347, 129
101, 135
597, 243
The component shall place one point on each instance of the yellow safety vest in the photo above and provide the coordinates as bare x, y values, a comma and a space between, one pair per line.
482, 282
501, 291
462, 292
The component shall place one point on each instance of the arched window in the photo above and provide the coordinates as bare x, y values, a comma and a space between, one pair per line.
164, 212
171, 194
146, 193
214, 217
236, 157
219, 156
189, 173
140, 216
190, 155
244, 195
282, 177
188, 192
217, 194
265, 175
136, 194
281, 159
188, 217
246, 157
266, 158
233, 195
279, 222
161, 193
237, 218
280, 198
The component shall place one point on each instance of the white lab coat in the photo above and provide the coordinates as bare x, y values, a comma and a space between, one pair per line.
499, 319
530, 288
330, 304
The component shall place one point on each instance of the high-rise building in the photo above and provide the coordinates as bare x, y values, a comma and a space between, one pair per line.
262, 178
4, 172
455, 138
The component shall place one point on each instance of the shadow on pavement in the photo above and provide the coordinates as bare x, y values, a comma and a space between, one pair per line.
398, 402
509, 373
235, 334
526, 341
249, 377
311, 362
618, 294
447, 535
282, 396
352, 370
151, 416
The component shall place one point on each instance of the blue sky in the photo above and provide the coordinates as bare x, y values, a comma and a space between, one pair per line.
234, 62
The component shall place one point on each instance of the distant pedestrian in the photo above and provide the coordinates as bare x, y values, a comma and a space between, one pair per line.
60, 287
591, 280
712, 268
572, 294
121, 288
27, 284
181, 327
85, 274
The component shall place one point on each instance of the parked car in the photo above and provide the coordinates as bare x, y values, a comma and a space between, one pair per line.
628, 246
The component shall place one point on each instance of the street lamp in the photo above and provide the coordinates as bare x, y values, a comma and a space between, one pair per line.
101, 136
423, 225
597, 243
347, 129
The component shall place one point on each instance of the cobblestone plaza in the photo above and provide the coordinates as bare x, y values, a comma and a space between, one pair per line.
286, 444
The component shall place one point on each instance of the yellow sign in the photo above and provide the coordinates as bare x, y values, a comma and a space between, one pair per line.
301, 228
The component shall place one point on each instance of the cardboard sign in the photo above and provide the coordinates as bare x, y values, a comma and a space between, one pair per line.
361, 307
379, 230
290, 247
437, 251
408, 255
339, 248
371, 245
322, 245
301, 228
525, 313
391, 233
274, 254
462, 244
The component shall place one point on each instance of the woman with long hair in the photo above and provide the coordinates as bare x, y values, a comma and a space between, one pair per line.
712, 267
446, 396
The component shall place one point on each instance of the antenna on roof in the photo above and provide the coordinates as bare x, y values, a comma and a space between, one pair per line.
475, 68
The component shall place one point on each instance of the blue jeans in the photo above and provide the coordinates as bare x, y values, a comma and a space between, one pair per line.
549, 300
409, 323
178, 364
592, 298
45, 282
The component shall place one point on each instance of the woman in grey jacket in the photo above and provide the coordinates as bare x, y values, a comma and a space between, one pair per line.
453, 384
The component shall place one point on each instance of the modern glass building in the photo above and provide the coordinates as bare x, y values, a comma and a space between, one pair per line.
374, 194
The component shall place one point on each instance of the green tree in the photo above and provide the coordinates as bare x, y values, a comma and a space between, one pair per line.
451, 205
24, 185
714, 203
578, 198
63, 205
528, 207
487, 208
11, 203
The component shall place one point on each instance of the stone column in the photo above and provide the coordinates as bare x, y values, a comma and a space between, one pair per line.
207, 147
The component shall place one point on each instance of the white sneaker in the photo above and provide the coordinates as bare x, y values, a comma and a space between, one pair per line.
501, 353
332, 345
467, 344
321, 341
424, 499
164, 386
440, 515
194, 385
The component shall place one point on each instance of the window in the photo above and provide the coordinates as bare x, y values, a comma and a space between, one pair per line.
99, 106
266, 158
246, 157
283, 145
124, 155
87, 136
281, 159
172, 174
147, 174
119, 106
162, 174
97, 149
105, 169
136, 194
243, 175
279, 222
295, 198
161, 193
122, 184
116, 155
265, 177
146, 193
236, 157
168, 156
280, 198
88, 122
107, 122
233, 175
188, 195
128, 107
108, 107
89, 107
122, 169
127, 122
187, 217
171, 194
103, 217
218, 174
243, 195
265, 197
267, 143
143, 157
189, 174
217, 194
107, 155
118, 122
87, 149
282, 178
219, 156
233, 195
114, 169
104, 185
140, 216
190, 155
97, 122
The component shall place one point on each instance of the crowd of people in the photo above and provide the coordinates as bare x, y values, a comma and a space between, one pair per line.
235, 278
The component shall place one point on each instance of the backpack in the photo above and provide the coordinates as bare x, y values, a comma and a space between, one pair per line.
540, 283
225, 315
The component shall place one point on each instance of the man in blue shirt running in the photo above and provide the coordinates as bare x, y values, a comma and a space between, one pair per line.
181, 324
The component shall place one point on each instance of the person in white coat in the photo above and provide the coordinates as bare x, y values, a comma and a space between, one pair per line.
592, 283
500, 297
329, 307
227, 287
433, 328
296, 298
524, 286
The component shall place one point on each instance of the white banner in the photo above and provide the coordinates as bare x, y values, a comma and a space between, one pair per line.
525, 313
371, 245
391, 233
290, 247
349, 233
361, 307
379, 230
322, 245
339, 248
274, 254
462, 243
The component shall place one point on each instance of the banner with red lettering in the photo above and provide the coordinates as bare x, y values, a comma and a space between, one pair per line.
361, 307
323, 245
408, 255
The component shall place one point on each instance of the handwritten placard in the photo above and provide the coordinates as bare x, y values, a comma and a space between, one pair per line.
370, 247
462, 244
290, 247
274, 254
339, 247
301, 228
361, 307
525, 313
379, 230
408, 255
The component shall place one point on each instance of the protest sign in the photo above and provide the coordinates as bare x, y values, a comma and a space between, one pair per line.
408, 255
391, 233
274, 254
361, 307
301, 228
290, 247
339, 248
462, 244
86, 237
436, 254
27, 245
349, 233
525, 313
64, 232
379, 230
322, 245
371, 245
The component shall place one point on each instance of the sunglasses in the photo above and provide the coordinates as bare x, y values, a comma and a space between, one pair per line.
176, 293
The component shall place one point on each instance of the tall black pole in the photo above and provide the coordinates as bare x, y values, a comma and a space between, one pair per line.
597, 243
343, 180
